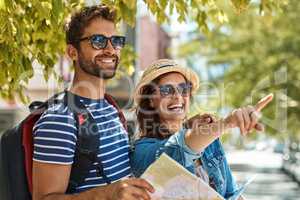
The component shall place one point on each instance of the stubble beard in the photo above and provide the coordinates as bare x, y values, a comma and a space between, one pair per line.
92, 68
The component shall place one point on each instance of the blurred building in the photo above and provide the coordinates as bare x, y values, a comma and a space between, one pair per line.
153, 42
12, 112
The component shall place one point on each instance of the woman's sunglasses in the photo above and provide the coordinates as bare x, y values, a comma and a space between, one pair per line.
184, 89
99, 41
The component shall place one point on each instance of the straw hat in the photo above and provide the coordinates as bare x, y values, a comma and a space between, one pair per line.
161, 67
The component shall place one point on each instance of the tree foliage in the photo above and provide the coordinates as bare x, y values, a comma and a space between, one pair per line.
260, 54
32, 30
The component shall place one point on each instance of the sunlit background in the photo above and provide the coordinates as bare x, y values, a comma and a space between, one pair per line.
239, 61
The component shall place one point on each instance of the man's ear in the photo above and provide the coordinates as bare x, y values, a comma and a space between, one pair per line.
72, 52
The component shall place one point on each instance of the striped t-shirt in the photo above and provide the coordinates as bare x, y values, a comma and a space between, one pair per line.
55, 136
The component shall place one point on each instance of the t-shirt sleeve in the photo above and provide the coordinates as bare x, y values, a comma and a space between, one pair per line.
55, 136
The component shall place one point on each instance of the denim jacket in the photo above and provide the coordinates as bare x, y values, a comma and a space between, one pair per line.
147, 150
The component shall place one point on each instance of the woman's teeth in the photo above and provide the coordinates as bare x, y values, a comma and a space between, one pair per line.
176, 108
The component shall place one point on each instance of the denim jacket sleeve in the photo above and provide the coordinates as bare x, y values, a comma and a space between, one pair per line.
232, 187
215, 162
147, 150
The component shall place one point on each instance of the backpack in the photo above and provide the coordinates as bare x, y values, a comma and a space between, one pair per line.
16, 148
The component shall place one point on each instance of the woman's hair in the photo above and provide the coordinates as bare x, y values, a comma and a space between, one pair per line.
147, 117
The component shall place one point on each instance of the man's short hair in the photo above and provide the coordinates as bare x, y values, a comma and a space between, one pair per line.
80, 20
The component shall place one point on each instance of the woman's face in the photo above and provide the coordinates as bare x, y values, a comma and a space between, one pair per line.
171, 97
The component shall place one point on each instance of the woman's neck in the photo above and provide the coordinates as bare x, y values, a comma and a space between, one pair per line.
172, 126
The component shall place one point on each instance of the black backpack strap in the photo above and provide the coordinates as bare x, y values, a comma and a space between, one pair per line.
87, 146
39, 107
112, 101
88, 138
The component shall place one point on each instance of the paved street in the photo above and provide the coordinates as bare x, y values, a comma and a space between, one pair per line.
270, 182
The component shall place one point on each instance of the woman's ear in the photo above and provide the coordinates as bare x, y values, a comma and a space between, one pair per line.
72, 52
151, 103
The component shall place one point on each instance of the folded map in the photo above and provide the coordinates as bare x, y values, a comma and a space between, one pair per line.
173, 182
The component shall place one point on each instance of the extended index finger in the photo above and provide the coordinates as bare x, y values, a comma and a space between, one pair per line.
263, 102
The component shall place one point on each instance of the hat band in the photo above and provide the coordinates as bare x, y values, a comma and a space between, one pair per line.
167, 65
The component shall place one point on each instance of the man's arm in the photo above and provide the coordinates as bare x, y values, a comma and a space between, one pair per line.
50, 182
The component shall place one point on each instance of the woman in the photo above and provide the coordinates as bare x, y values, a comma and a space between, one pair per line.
162, 99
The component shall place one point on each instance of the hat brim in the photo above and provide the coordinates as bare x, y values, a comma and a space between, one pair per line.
189, 74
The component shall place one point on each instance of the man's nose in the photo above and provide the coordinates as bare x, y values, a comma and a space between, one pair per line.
109, 49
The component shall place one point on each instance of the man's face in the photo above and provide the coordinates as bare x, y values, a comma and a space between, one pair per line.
101, 63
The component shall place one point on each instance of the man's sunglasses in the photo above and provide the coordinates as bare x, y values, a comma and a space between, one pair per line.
99, 41
184, 89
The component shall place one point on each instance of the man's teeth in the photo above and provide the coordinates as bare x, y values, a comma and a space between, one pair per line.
107, 60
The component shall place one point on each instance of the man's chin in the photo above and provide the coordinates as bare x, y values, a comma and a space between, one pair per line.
108, 75
105, 74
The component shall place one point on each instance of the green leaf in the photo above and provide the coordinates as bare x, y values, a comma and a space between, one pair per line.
9, 5
152, 5
161, 17
128, 56
2, 75
163, 4
2, 4
240, 5
127, 13
171, 7
131, 4
57, 11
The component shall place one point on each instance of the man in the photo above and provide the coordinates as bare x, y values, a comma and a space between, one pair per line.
94, 47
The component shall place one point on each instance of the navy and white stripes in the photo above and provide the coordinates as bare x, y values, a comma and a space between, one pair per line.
55, 136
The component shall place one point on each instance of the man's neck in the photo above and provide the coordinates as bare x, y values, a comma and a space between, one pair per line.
88, 86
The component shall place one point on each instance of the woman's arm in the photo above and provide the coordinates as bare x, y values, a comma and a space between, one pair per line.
201, 135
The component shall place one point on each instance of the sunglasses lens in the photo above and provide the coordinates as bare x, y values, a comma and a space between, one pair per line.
99, 41
166, 90
184, 89
118, 41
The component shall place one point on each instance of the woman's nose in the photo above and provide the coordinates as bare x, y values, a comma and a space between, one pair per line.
177, 94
